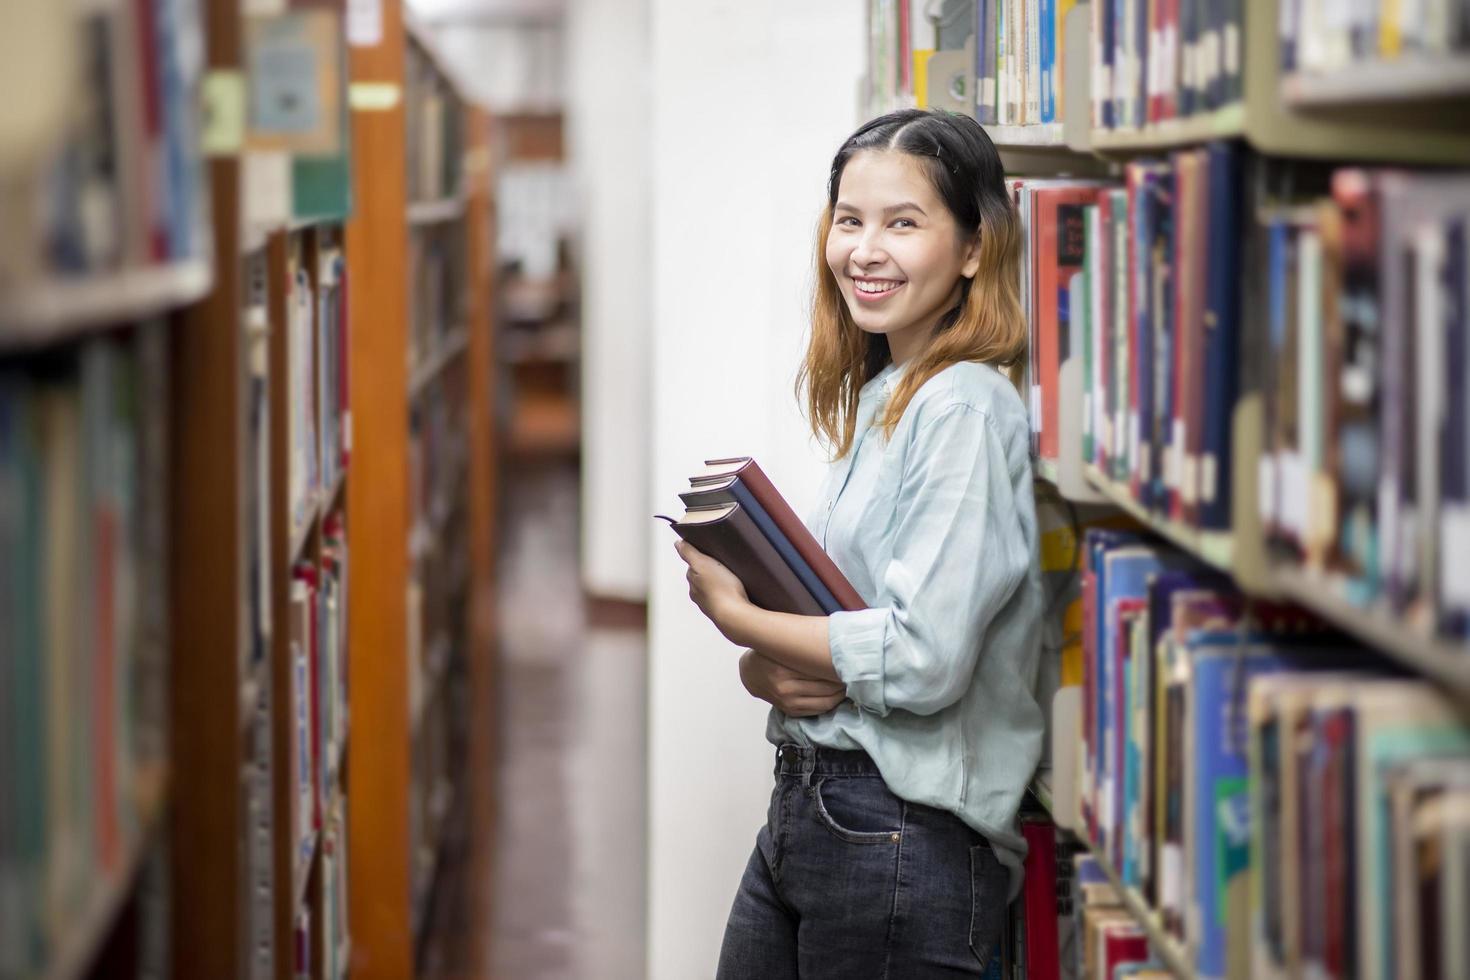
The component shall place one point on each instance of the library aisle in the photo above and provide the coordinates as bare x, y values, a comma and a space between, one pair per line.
568, 840
348, 348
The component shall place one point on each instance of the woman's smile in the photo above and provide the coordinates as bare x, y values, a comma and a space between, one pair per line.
870, 290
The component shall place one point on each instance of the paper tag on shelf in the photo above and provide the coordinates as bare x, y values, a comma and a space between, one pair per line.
1232, 49
1175, 476
222, 122
1189, 482
1266, 489
1209, 476
374, 96
1292, 474
1135, 442
1454, 571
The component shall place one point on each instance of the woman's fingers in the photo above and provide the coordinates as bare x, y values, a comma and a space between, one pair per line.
807, 707
797, 686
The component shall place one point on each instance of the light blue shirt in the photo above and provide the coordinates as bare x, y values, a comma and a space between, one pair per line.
936, 529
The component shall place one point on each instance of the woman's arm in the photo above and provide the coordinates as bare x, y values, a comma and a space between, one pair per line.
796, 695
796, 642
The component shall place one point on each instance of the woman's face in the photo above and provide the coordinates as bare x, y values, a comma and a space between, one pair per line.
894, 248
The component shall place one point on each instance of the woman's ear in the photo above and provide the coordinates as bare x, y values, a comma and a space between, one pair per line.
971, 266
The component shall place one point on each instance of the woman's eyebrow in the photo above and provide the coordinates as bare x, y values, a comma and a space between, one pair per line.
891, 209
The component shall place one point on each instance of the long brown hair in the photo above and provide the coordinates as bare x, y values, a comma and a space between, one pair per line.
986, 325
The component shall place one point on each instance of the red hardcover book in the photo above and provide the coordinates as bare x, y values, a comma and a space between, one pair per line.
765, 492
1153, 67
148, 59
1171, 64
1122, 942
1039, 900
1058, 243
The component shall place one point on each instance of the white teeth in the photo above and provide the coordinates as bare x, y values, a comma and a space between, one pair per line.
875, 287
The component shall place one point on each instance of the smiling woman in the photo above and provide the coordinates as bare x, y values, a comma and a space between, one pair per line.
906, 731
916, 260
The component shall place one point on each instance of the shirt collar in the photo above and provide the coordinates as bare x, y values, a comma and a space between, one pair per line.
882, 383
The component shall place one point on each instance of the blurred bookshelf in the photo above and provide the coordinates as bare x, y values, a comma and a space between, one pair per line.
1273, 175
180, 330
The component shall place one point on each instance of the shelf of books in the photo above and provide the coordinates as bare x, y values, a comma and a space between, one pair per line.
440, 448
420, 243
94, 268
264, 431
1247, 374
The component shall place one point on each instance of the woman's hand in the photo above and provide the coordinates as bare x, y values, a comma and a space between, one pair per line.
712, 586
794, 694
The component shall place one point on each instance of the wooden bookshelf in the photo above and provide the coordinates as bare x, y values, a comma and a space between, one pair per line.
213, 701
57, 309
1301, 116
1414, 78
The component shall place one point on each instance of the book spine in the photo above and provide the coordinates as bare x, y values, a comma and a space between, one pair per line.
785, 518
784, 547
985, 61
1047, 28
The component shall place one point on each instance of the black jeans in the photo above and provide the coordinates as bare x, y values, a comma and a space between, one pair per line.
848, 881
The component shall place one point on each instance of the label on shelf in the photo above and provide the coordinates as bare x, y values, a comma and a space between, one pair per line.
374, 96
223, 116
364, 23
1454, 523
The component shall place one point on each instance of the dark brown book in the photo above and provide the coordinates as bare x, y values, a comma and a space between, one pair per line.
765, 493
728, 535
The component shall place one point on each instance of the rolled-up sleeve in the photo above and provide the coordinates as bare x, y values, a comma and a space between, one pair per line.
958, 554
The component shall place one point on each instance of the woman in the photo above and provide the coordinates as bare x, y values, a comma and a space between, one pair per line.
908, 731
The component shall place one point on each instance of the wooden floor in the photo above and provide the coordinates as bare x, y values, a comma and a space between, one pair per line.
563, 860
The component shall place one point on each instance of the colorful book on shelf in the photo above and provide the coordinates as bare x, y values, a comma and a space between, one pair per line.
1039, 899
83, 665
1053, 213
735, 514
986, 12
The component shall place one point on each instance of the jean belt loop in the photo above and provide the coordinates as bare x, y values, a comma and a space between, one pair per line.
808, 764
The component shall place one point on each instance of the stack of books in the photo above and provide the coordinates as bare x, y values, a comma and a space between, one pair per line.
734, 514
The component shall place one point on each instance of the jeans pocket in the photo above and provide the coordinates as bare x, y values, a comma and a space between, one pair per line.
859, 811
989, 888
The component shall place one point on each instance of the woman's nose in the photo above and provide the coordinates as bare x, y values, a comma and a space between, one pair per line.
869, 249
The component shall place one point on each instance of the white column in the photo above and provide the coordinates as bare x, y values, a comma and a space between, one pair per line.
751, 99
608, 115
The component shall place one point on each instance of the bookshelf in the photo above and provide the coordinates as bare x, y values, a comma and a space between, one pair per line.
62, 309
1422, 78
91, 310
260, 414
421, 244
1394, 625
176, 429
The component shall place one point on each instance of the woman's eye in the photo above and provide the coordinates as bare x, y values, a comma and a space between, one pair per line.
849, 222
905, 223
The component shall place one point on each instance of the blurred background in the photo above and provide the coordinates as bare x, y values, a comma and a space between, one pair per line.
348, 347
